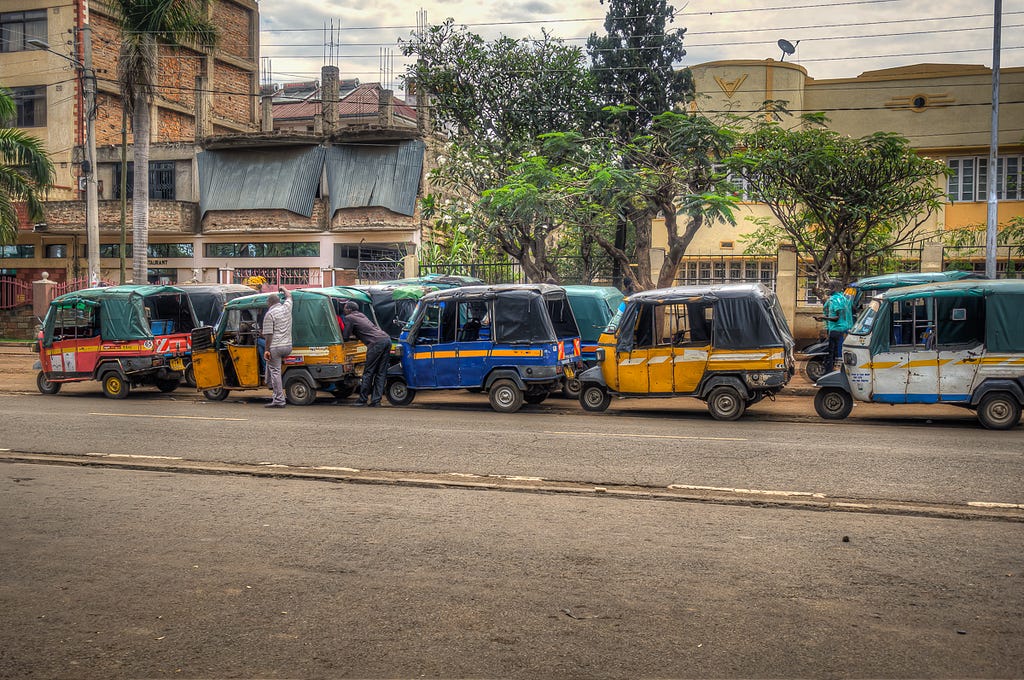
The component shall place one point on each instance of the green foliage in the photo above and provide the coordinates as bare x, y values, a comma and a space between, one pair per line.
842, 201
26, 173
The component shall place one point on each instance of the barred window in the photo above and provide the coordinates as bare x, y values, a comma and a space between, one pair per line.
969, 181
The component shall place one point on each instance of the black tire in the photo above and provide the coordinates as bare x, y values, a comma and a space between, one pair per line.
594, 398
756, 398
45, 386
535, 397
999, 411
571, 388
814, 369
115, 385
190, 375
343, 392
725, 403
168, 385
398, 392
298, 392
216, 394
833, 403
505, 396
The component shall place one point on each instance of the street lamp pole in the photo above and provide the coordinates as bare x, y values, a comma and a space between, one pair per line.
92, 203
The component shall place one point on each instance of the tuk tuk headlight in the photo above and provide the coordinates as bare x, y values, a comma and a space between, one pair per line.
849, 358
600, 353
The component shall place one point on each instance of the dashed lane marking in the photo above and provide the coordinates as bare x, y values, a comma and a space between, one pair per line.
148, 415
133, 455
646, 436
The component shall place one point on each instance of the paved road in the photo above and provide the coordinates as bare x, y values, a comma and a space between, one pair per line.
121, 573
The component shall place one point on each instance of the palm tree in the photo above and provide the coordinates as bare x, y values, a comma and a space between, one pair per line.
26, 172
146, 24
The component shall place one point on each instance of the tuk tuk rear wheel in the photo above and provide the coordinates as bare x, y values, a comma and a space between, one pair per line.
594, 398
535, 397
45, 386
814, 369
115, 386
343, 392
725, 403
505, 396
167, 385
571, 388
999, 411
298, 392
216, 394
832, 403
398, 392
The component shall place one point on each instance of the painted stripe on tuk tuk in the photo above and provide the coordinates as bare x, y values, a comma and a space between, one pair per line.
918, 398
451, 354
740, 357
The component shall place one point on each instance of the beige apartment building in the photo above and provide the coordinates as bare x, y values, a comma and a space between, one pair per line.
944, 110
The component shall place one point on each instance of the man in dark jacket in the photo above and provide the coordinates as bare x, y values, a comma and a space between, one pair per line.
378, 349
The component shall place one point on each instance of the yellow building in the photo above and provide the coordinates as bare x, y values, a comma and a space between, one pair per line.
944, 110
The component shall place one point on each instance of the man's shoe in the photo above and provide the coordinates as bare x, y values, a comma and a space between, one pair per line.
274, 406
359, 403
374, 403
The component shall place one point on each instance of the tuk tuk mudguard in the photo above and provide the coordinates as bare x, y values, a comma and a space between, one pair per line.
1014, 387
507, 373
593, 376
835, 379
713, 381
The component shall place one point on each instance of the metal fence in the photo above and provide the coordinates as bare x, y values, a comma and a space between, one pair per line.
489, 272
897, 260
80, 283
14, 293
1009, 260
705, 270
373, 271
286, 277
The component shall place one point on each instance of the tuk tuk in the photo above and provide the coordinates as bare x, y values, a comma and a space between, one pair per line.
227, 359
959, 343
515, 341
394, 304
593, 307
728, 345
816, 353
122, 336
208, 300
355, 351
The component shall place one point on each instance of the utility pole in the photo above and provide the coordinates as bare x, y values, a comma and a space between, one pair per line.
92, 203
992, 222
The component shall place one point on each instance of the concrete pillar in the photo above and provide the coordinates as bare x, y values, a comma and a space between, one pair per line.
225, 275
785, 282
931, 257
42, 295
411, 265
386, 108
423, 114
329, 97
318, 123
267, 114
204, 109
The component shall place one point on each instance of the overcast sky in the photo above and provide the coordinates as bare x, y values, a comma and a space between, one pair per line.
837, 38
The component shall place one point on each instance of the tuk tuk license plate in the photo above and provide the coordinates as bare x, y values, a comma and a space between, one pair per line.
569, 373
177, 364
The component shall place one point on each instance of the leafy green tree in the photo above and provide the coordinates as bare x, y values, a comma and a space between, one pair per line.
492, 99
841, 201
144, 26
26, 172
970, 241
633, 67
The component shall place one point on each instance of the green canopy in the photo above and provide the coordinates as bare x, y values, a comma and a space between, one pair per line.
122, 312
593, 307
313, 321
899, 280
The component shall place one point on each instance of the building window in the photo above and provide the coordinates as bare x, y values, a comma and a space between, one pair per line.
161, 180
969, 181
29, 106
162, 276
57, 250
154, 251
288, 249
18, 251
17, 28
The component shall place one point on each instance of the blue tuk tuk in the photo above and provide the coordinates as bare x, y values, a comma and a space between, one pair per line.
517, 342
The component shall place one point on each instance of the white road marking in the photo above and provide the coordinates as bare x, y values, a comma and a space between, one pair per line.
764, 492
983, 504
146, 415
646, 436
336, 469
133, 455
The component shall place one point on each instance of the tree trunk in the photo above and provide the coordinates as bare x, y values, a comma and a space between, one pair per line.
677, 246
140, 197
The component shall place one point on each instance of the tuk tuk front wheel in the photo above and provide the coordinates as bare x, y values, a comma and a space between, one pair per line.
505, 396
115, 386
832, 403
299, 392
999, 411
398, 393
216, 394
45, 386
594, 398
725, 403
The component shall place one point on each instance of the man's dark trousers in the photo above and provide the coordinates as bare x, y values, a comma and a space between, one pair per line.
375, 372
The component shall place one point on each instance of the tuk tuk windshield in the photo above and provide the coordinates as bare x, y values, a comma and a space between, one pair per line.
866, 321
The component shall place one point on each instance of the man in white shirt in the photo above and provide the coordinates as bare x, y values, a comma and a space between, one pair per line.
277, 334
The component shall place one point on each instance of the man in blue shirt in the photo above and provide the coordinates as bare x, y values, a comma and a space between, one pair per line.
838, 317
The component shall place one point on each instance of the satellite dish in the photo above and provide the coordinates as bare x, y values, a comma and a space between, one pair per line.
787, 48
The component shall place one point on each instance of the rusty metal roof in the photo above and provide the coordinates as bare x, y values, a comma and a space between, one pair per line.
260, 179
385, 174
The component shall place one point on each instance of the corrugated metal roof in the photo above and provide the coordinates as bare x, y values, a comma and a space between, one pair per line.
260, 179
381, 174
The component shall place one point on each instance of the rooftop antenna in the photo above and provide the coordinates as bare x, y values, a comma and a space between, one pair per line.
787, 48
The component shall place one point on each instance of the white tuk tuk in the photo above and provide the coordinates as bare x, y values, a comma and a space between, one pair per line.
959, 343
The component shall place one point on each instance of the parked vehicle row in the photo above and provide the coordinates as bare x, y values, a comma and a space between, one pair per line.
953, 342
